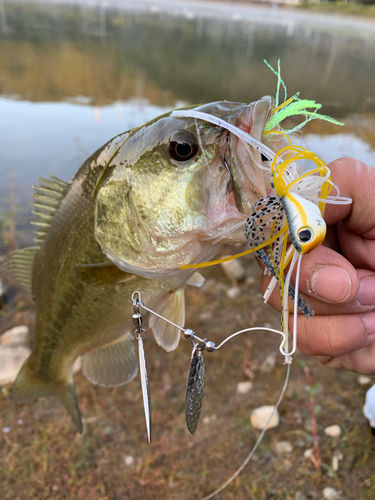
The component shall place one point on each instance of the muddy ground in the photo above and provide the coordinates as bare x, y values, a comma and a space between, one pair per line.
42, 457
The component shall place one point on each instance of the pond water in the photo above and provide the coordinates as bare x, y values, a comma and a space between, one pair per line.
74, 75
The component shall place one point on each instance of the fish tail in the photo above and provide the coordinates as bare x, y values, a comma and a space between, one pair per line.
29, 386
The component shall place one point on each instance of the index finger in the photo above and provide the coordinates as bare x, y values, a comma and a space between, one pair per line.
356, 180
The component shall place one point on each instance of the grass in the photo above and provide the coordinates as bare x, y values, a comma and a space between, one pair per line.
42, 457
342, 8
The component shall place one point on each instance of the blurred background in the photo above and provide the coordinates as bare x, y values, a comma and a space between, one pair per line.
73, 74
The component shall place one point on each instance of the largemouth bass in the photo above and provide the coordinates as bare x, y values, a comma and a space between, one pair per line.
149, 201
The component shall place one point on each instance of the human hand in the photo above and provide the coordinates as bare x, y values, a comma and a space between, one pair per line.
338, 278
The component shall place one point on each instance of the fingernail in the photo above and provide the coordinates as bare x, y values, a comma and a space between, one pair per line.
366, 294
331, 283
369, 321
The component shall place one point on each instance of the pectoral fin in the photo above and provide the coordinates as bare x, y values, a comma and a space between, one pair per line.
105, 273
172, 307
112, 364
196, 280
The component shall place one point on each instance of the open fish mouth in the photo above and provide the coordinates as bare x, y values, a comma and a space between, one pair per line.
247, 167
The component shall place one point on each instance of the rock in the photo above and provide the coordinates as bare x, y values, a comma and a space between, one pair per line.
308, 425
333, 431
234, 270
331, 494
308, 453
337, 456
283, 447
6, 429
11, 360
369, 408
260, 416
250, 280
233, 292
269, 363
77, 365
364, 380
208, 420
244, 387
16, 335
300, 496
129, 461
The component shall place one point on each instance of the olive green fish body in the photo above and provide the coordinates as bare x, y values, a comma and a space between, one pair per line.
151, 200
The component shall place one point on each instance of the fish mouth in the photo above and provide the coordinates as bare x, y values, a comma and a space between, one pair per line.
247, 180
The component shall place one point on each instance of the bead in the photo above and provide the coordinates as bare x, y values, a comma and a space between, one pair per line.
188, 334
137, 319
210, 346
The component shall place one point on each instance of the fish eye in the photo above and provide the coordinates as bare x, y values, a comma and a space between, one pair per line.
183, 146
305, 235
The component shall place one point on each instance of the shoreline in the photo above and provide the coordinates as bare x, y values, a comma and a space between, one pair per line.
245, 11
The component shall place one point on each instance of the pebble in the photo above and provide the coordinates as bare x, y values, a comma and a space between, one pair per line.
308, 453
331, 494
269, 363
364, 380
129, 461
6, 429
234, 270
233, 292
11, 360
369, 408
300, 496
337, 456
16, 335
308, 425
284, 447
333, 431
210, 419
260, 416
244, 387
77, 365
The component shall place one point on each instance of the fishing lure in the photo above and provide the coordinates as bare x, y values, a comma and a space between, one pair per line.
139, 335
196, 372
295, 209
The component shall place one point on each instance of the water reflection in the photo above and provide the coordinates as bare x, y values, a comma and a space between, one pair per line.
72, 77
55, 53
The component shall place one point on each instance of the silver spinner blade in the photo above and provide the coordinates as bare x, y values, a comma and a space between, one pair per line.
194, 389
145, 387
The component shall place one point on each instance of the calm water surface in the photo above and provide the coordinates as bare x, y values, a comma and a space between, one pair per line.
73, 76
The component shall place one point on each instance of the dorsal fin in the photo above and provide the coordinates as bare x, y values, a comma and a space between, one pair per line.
20, 264
48, 196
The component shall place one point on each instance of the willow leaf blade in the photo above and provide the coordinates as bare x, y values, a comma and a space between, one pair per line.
145, 387
194, 389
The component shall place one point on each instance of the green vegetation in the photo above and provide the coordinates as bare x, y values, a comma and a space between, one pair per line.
365, 9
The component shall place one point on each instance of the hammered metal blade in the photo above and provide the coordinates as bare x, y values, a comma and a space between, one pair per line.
145, 387
194, 389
